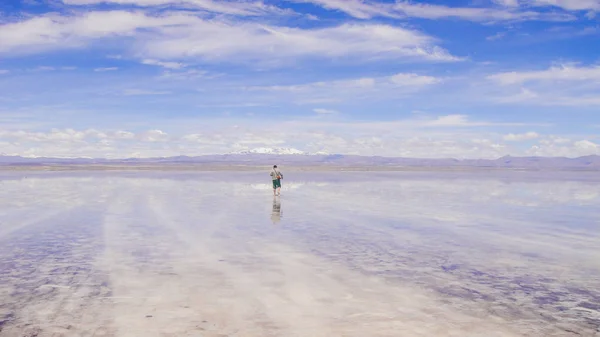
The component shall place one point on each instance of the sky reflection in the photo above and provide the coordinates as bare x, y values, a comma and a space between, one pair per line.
378, 254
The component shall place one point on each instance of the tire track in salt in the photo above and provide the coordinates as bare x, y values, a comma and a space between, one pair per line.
49, 285
297, 294
143, 258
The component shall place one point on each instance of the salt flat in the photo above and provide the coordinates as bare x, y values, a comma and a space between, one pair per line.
338, 254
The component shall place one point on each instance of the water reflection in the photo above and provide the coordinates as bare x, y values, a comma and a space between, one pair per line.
276, 211
373, 255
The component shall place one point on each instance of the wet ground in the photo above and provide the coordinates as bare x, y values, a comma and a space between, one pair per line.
338, 254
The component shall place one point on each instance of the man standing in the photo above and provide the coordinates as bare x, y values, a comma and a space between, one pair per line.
276, 176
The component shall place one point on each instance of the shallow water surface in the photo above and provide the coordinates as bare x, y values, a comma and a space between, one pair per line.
338, 254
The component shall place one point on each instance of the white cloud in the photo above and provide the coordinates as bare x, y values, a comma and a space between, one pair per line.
410, 79
180, 35
569, 5
586, 145
554, 141
410, 146
456, 121
232, 105
567, 85
71, 143
250, 42
324, 111
450, 120
496, 36
361, 9
562, 73
428, 11
524, 95
360, 83
217, 140
553, 97
359, 88
417, 125
241, 8
511, 137
121, 135
570, 32
357, 8
44, 68
573, 5
187, 74
557, 100
106, 69
153, 136
54, 135
157, 143
142, 92
565, 149
56, 31
507, 3
168, 65
96, 134
4, 71
442, 137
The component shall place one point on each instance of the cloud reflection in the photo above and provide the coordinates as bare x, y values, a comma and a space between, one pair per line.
512, 254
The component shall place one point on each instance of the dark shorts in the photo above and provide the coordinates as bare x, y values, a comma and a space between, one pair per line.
276, 183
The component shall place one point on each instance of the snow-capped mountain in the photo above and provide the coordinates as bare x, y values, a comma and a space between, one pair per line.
277, 151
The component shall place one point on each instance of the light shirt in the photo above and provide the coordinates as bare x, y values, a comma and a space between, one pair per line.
276, 173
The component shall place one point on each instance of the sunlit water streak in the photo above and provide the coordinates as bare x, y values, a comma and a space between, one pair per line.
338, 254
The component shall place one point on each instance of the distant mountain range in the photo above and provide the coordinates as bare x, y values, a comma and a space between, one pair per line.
303, 159
277, 150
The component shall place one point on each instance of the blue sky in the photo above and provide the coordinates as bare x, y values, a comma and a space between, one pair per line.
462, 79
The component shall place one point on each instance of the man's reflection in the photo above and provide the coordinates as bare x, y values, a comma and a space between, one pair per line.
276, 213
